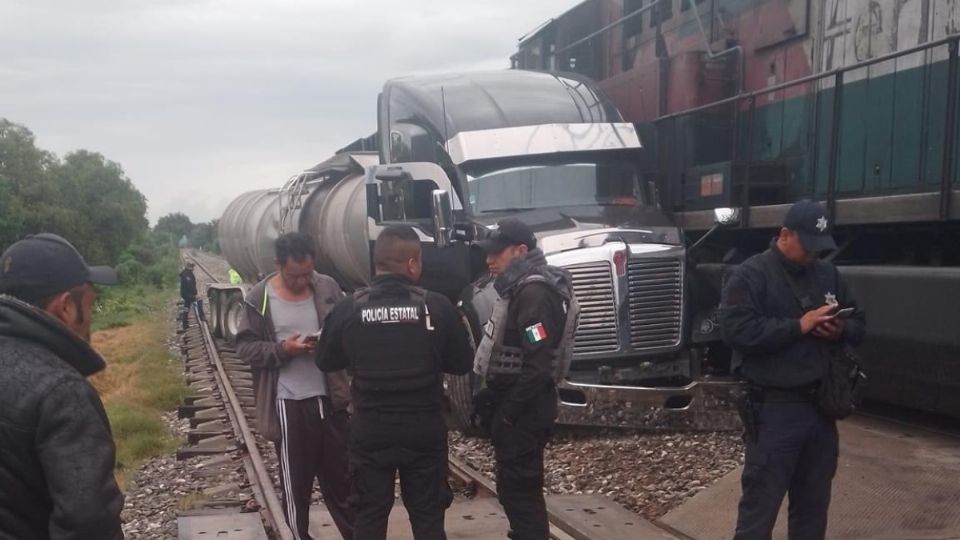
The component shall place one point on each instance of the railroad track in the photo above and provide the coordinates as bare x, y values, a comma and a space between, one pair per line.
218, 407
244, 495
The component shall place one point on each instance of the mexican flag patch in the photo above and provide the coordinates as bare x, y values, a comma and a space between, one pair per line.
536, 333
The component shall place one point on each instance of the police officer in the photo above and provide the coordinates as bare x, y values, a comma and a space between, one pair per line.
526, 343
779, 315
397, 340
189, 295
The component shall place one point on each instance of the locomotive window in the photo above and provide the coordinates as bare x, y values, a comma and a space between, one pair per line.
662, 12
634, 25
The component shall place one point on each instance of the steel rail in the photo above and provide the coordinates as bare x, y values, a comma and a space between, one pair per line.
247, 442
200, 265
480, 485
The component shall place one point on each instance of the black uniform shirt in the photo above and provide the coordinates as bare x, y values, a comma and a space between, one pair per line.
342, 337
760, 318
188, 284
535, 324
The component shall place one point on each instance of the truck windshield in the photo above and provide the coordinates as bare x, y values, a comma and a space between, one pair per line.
544, 186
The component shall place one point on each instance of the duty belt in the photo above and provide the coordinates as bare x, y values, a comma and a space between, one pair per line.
770, 394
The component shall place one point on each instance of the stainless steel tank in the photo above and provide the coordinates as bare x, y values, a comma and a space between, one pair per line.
333, 212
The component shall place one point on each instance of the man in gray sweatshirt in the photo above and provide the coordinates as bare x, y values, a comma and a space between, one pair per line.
299, 407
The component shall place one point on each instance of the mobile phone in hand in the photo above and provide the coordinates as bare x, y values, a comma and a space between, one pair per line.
311, 338
844, 313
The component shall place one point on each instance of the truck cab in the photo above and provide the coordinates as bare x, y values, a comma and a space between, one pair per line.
460, 152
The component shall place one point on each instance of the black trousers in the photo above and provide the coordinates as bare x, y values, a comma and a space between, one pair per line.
188, 305
795, 452
313, 446
518, 450
413, 445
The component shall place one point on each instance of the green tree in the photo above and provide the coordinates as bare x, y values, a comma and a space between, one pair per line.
99, 206
84, 197
23, 181
176, 225
202, 236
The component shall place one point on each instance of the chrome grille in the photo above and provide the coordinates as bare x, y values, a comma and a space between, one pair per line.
655, 296
593, 285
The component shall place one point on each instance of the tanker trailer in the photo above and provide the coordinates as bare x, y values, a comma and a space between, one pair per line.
459, 152
327, 201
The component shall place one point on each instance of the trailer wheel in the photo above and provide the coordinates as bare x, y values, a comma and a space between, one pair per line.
232, 311
460, 392
213, 315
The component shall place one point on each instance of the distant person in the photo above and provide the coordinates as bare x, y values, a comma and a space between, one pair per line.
56, 451
188, 292
234, 276
301, 409
397, 340
780, 315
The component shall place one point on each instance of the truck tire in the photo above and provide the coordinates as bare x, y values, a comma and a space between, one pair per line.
460, 392
232, 311
213, 317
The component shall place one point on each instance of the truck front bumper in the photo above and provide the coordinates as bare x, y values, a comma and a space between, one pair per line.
706, 405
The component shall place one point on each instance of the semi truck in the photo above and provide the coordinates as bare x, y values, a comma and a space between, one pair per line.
452, 155
755, 104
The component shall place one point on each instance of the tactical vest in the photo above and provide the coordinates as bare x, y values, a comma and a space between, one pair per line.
396, 351
495, 358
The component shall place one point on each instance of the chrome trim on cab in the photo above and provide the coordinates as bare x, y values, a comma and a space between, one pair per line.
541, 139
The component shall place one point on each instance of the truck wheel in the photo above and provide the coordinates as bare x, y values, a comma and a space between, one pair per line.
213, 317
233, 309
460, 392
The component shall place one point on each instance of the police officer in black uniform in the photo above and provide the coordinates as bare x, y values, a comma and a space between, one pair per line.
523, 388
779, 315
397, 340
188, 293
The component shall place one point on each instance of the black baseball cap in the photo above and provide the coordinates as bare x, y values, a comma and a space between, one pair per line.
509, 232
42, 265
809, 220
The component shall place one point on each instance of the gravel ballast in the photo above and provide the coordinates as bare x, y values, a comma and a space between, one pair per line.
648, 473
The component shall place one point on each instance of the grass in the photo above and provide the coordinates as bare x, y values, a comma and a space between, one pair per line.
143, 378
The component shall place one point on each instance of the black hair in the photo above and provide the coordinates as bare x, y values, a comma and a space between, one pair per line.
396, 245
296, 245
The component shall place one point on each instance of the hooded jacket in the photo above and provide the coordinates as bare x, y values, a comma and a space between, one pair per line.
57, 454
257, 345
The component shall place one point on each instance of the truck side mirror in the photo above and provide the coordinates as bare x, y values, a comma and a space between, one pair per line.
725, 217
442, 218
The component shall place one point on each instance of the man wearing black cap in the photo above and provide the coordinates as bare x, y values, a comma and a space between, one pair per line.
57, 458
780, 315
518, 355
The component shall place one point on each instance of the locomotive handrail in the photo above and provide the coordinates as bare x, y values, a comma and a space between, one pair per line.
749, 108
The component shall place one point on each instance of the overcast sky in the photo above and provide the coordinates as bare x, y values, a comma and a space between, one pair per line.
201, 100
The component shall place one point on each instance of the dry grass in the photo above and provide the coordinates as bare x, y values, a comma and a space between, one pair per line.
142, 381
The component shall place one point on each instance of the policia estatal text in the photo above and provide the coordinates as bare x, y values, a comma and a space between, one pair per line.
397, 340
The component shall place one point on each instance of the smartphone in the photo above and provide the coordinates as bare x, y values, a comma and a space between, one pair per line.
311, 338
844, 313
